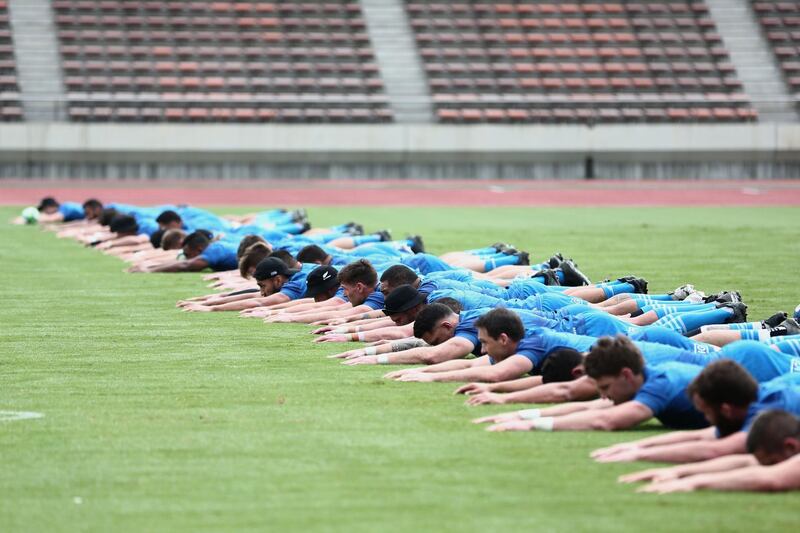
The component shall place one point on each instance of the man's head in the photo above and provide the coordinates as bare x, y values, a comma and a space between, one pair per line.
403, 304
251, 257
286, 257
106, 216
173, 239
313, 254
195, 244
435, 324
723, 391
322, 283
248, 241
617, 366
124, 225
500, 331
397, 275
169, 220
452, 303
271, 274
48, 205
774, 437
358, 280
561, 365
92, 209
155, 238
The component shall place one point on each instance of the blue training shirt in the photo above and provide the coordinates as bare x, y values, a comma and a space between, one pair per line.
664, 393
760, 360
71, 211
221, 256
780, 393
295, 287
540, 342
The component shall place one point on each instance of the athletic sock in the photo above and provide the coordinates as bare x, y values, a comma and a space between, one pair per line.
364, 239
612, 289
499, 260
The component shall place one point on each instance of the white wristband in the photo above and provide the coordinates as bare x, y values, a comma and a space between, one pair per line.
371, 350
530, 414
361, 336
357, 329
383, 359
544, 423
341, 330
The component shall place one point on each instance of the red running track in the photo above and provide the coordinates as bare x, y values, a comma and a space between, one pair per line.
412, 193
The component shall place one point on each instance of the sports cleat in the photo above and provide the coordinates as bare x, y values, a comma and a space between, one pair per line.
729, 297
682, 292
417, 246
299, 215
572, 276
775, 320
354, 229
791, 325
639, 284
384, 235
510, 251
549, 275
556, 260
501, 247
523, 258
697, 297
739, 312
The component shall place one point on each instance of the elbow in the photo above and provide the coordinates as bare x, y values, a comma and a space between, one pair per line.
602, 423
430, 359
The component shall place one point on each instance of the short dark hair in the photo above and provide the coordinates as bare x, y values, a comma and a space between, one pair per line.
286, 257
428, 317
106, 216
252, 257
248, 241
610, 355
724, 381
123, 224
196, 239
397, 275
360, 271
312, 254
770, 429
559, 364
452, 303
155, 238
173, 239
502, 320
168, 217
93, 203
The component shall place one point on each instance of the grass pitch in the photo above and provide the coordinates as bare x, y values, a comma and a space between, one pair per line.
157, 420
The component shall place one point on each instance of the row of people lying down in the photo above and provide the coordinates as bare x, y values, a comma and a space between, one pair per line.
614, 355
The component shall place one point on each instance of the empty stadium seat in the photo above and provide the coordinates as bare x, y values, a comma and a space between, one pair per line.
218, 61
585, 62
780, 23
10, 107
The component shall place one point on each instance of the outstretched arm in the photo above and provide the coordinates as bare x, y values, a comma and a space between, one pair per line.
622, 416
689, 452
513, 366
720, 464
673, 437
454, 348
780, 477
188, 265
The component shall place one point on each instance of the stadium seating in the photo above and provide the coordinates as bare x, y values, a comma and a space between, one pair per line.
10, 109
781, 24
196, 61
576, 62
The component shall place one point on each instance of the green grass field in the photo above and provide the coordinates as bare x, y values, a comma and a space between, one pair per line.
158, 420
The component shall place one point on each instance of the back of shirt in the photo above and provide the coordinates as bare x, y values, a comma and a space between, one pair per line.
71, 211
763, 363
780, 393
220, 256
664, 392
539, 343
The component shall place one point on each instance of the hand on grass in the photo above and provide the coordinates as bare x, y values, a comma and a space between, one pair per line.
497, 419
473, 388
486, 398
514, 425
365, 360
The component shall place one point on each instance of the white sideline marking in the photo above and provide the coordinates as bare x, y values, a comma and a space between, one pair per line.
10, 416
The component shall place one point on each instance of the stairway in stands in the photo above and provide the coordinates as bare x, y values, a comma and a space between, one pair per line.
396, 52
37, 58
753, 58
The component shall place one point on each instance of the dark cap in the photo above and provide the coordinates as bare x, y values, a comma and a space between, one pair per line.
401, 299
47, 201
123, 224
321, 279
272, 266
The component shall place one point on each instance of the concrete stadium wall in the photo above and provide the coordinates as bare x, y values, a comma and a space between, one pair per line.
175, 151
